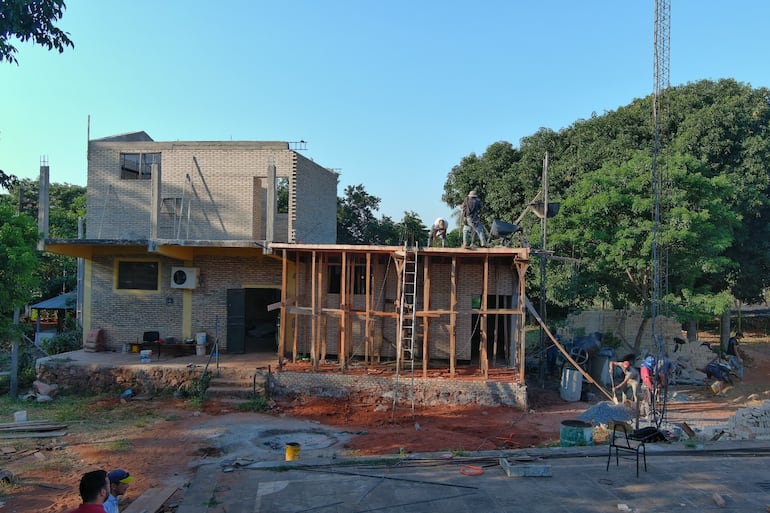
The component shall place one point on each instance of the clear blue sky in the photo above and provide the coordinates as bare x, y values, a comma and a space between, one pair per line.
392, 94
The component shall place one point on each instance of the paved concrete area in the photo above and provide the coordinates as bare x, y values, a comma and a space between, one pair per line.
678, 478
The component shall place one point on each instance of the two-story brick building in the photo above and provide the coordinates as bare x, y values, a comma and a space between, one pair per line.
176, 236
235, 239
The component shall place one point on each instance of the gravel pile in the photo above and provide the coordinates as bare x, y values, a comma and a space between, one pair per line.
603, 412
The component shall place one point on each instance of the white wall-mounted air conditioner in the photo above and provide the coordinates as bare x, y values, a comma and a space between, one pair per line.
184, 277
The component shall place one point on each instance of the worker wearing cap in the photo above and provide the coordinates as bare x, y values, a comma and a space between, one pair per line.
119, 481
630, 379
734, 355
471, 212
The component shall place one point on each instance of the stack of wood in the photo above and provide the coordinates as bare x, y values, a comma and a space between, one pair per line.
32, 429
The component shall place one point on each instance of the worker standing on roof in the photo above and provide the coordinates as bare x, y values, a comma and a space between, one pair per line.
471, 212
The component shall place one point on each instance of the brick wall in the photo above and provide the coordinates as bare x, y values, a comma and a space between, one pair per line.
124, 316
210, 192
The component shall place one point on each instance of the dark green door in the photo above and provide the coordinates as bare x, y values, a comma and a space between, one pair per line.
236, 320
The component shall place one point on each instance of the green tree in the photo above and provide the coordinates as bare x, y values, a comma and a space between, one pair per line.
31, 20
356, 223
718, 131
67, 203
18, 261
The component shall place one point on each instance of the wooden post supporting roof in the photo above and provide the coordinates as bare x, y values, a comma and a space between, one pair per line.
425, 318
453, 319
445, 330
483, 357
284, 293
315, 320
344, 306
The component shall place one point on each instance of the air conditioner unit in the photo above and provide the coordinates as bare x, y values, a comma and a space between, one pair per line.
184, 277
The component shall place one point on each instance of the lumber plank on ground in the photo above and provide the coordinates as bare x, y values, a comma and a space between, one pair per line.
151, 500
21, 427
30, 434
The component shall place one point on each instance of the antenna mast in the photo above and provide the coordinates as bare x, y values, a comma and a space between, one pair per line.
662, 57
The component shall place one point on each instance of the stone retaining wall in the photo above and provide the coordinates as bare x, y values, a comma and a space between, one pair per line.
426, 392
142, 379
151, 379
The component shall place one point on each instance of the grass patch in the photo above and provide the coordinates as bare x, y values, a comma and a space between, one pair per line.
258, 404
121, 445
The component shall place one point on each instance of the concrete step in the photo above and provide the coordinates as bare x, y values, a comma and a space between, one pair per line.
236, 388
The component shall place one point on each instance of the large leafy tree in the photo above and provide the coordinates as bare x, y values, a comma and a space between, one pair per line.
357, 223
67, 203
18, 261
716, 142
31, 20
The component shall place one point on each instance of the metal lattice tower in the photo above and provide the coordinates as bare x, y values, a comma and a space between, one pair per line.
662, 58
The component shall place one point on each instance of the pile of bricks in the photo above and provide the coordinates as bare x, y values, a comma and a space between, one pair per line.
750, 423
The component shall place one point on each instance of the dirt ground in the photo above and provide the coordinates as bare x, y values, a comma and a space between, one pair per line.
47, 471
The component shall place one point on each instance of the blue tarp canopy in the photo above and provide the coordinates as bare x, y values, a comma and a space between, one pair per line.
63, 302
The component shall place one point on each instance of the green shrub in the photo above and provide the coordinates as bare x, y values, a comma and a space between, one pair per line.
64, 342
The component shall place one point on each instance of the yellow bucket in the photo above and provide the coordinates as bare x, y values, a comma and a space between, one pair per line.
292, 451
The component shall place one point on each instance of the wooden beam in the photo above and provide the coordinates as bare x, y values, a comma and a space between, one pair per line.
283, 317
483, 357
564, 351
367, 318
453, 318
314, 319
425, 318
345, 288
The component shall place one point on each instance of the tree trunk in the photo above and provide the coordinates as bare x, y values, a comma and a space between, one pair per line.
724, 333
692, 330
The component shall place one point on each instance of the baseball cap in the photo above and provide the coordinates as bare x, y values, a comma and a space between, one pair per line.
119, 476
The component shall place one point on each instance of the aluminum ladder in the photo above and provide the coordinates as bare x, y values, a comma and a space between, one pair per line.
407, 320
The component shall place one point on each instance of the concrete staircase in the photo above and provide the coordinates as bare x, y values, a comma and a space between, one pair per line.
236, 387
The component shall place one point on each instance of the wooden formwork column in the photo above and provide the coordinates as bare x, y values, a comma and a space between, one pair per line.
367, 324
425, 318
321, 302
453, 318
522, 331
304, 276
314, 324
483, 358
345, 281
283, 317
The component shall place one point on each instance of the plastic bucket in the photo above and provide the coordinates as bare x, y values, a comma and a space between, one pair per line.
20, 416
571, 384
576, 432
144, 355
292, 451
200, 350
200, 338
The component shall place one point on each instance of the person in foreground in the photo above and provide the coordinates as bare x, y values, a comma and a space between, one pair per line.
119, 481
94, 490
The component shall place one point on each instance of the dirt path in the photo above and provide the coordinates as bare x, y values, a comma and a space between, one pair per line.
166, 448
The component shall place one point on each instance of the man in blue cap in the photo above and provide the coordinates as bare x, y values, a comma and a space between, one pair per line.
119, 481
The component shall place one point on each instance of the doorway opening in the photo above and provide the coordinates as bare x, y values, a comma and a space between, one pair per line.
251, 328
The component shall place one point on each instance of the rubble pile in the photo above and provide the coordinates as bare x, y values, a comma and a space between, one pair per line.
750, 423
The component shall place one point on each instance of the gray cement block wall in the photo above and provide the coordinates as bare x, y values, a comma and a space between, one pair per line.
125, 315
215, 182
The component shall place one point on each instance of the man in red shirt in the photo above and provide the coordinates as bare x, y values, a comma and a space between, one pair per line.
94, 490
